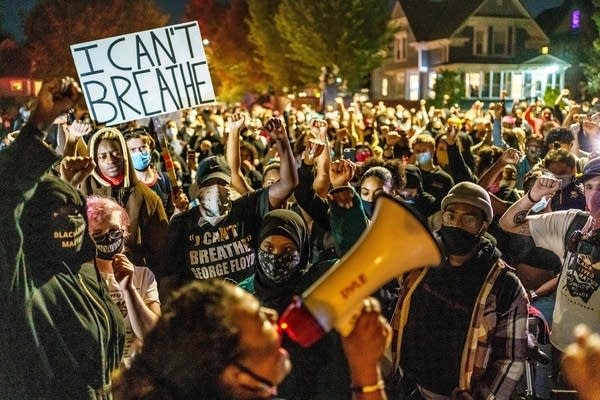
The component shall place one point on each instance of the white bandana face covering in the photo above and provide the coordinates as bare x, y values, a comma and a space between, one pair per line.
215, 202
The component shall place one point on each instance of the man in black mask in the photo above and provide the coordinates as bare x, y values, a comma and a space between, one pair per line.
462, 327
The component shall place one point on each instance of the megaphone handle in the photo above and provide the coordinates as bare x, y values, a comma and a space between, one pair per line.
345, 323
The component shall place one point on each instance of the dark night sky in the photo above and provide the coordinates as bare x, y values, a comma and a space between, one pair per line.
11, 19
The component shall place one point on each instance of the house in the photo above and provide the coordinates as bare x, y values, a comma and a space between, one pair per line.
572, 32
493, 44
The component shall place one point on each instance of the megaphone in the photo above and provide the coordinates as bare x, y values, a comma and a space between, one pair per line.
396, 242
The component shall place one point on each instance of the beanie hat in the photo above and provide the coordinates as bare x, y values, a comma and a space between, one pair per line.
414, 180
470, 193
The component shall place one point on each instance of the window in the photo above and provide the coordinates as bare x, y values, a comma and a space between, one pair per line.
516, 89
499, 37
480, 41
500, 41
384, 87
496, 78
413, 87
473, 81
485, 87
400, 47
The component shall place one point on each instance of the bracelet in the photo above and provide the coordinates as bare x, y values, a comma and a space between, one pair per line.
380, 385
530, 198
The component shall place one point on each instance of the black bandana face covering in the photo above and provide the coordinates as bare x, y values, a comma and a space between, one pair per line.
457, 242
278, 267
109, 244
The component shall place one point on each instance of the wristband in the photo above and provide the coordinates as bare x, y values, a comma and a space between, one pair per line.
533, 294
380, 385
530, 198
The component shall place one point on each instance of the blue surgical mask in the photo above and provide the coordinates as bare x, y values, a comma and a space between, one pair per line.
540, 205
423, 158
141, 160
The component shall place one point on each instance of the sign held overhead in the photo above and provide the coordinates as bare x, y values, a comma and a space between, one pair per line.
142, 74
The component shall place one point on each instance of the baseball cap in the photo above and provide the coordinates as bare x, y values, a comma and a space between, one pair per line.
213, 167
591, 169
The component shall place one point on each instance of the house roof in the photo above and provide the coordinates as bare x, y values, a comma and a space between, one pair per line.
547, 59
437, 19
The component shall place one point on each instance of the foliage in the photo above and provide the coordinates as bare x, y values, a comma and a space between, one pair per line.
348, 33
449, 83
53, 25
592, 66
233, 67
271, 49
550, 96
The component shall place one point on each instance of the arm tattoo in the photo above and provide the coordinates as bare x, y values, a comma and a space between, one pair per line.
519, 218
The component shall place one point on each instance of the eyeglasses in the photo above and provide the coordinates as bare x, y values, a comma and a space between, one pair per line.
467, 220
254, 375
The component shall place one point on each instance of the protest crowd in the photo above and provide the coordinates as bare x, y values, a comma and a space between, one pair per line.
149, 260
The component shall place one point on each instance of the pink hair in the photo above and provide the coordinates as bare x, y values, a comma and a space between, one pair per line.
100, 208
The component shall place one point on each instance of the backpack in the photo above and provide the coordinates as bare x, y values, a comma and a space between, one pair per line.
574, 234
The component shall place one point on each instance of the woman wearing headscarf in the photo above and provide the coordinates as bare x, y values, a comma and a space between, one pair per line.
283, 270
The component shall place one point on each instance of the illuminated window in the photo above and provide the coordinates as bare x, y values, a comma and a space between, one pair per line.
384, 87
413, 87
575, 19
473, 81
16, 86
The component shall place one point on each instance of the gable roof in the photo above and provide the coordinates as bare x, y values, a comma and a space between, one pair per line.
437, 19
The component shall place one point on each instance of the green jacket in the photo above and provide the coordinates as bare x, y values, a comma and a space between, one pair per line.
61, 336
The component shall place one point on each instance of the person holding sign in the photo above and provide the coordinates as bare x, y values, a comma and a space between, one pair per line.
60, 334
217, 239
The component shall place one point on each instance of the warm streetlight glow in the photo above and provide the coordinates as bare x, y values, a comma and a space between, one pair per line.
205, 42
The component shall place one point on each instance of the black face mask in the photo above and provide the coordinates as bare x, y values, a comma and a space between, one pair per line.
278, 268
109, 244
458, 242
368, 206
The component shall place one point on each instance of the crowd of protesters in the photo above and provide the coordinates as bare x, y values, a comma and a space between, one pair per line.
269, 200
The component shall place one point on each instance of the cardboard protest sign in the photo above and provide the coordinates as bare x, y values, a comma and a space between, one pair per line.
143, 74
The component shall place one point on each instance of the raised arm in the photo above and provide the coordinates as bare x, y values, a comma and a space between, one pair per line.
509, 156
280, 191
318, 152
514, 219
235, 123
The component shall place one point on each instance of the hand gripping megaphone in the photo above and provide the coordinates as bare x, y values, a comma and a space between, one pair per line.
395, 242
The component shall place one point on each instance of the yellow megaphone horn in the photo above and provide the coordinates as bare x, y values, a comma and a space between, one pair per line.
395, 242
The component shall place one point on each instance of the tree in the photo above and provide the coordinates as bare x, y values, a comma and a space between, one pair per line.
449, 83
53, 25
348, 33
592, 66
234, 69
271, 48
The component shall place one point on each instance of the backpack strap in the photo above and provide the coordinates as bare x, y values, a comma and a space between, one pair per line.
576, 225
